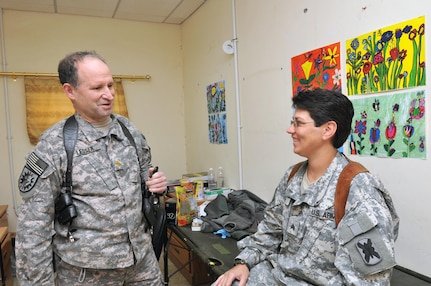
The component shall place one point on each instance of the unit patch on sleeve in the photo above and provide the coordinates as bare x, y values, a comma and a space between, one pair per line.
368, 252
31, 172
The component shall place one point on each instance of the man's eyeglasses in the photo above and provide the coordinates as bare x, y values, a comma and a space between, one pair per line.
297, 124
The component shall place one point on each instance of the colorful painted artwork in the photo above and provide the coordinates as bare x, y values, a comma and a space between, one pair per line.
389, 126
216, 103
387, 59
319, 68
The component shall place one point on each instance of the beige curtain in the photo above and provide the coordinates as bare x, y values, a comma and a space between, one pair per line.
46, 104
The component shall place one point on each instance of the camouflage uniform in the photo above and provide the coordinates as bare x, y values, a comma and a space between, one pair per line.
298, 243
110, 227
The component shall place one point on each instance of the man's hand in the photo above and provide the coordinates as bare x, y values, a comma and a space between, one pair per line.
157, 181
240, 272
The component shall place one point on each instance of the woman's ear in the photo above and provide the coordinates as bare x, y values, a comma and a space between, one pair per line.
329, 129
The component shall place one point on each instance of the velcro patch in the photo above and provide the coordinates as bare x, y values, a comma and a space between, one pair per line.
31, 172
353, 227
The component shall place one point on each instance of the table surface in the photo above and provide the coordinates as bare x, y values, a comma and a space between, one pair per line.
218, 253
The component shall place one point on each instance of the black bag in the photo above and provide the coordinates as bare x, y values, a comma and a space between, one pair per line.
155, 215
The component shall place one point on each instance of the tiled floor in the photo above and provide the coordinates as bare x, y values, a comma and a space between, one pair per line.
177, 279
400, 278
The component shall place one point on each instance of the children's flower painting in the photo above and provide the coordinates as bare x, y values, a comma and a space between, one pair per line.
216, 104
319, 68
387, 59
389, 126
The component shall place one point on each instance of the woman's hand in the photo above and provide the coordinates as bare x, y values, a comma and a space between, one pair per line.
239, 272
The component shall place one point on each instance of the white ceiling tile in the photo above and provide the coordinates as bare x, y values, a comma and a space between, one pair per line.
156, 10
29, 5
159, 11
184, 10
98, 8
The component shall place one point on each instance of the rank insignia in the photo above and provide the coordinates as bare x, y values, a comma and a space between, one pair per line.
370, 256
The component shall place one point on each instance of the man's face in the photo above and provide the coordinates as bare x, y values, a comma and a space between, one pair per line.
93, 98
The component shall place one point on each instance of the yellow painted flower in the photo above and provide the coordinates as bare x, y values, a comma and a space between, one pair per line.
306, 67
332, 55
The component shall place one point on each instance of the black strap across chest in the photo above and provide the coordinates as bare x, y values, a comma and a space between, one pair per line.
155, 215
70, 135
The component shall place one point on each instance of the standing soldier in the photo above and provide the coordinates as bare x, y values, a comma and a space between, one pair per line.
95, 228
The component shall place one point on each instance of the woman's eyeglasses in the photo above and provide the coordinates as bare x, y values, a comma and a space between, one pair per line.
297, 123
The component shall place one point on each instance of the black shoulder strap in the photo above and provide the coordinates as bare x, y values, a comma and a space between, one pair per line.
128, 135
154, 213
65, 210
70, 134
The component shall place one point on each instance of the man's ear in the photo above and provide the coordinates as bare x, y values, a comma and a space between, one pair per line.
329, 129
69, 91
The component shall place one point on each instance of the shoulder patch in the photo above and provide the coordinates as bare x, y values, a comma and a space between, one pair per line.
31, 172
368, 252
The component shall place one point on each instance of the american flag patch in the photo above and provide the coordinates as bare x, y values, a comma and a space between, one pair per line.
36, 164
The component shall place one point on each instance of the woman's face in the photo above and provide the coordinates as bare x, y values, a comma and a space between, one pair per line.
306, 137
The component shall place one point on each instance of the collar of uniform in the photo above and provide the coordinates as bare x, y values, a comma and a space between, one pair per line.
315, 193
92, 134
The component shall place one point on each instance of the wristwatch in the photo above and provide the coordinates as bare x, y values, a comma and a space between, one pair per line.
241, 261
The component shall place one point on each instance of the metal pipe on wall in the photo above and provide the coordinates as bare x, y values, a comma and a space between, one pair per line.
238, 109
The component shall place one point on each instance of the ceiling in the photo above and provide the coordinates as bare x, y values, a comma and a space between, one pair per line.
156, 11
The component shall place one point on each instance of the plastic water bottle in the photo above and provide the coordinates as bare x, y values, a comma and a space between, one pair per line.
220, 178
212, 184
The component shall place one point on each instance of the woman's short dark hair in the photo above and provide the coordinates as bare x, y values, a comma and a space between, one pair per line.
327, 105
67, 71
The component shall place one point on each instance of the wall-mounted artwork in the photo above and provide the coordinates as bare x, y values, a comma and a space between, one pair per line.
387, 59
389, 126
319, 68
216, 103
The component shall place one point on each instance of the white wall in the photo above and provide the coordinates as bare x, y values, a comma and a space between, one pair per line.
205, 63
35, 42
270, 33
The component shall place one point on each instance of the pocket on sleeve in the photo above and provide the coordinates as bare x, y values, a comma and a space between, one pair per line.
365, 244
